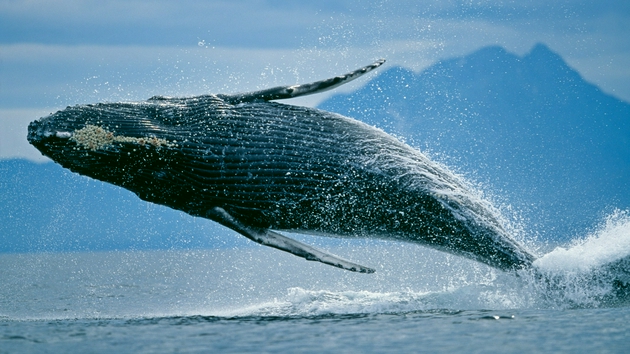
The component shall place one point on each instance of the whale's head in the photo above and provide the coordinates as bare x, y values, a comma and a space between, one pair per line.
112, 142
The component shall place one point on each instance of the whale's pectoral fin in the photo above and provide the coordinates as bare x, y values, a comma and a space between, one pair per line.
284, 92
276, 240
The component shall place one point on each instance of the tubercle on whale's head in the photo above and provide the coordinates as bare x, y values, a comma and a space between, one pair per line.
93, 137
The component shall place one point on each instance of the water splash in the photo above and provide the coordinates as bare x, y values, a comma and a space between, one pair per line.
609, 243
590, 272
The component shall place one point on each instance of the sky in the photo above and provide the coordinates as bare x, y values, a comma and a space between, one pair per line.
64, 52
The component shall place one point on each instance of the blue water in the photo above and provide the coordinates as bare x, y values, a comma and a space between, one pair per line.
553, 331
261, 300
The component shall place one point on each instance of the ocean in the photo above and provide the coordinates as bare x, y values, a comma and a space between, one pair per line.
258, 299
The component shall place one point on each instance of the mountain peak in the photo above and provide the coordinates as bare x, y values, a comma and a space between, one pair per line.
541, 52
541, 55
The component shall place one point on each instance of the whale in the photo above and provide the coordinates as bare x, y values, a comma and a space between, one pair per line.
264, 169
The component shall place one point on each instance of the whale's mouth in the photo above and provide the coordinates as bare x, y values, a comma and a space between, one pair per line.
41, 130
61, 134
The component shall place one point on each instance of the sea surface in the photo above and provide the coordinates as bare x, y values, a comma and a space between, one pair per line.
262, 300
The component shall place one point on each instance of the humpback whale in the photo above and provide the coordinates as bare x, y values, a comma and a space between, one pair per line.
260, 167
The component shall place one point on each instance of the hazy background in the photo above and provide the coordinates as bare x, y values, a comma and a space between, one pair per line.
58, 53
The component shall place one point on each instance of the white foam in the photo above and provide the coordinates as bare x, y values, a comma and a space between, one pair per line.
63, 135
609, 243
303, 302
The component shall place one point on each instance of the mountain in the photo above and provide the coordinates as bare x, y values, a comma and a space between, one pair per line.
530, 129
45, 208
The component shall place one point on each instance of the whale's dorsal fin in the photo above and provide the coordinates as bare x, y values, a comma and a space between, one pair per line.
284, 92
275, 240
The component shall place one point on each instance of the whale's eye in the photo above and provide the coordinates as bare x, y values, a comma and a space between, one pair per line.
63, 135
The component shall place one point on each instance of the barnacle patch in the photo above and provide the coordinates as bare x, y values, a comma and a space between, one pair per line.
94, 138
